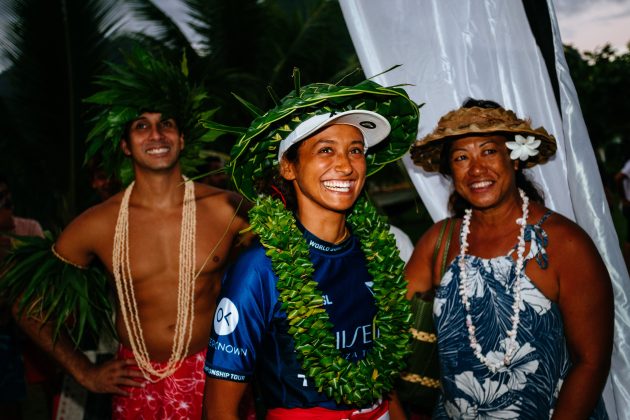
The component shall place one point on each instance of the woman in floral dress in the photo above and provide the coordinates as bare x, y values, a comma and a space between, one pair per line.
524, 310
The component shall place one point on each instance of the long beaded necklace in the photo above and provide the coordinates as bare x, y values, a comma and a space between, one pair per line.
185, 292
464, 290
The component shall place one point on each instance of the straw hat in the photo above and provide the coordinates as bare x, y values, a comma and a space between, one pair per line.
464, 122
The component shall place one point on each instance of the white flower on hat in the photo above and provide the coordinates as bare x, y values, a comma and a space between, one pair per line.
522, 148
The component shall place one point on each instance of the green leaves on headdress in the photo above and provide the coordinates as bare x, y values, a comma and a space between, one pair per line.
255, 152
145, 83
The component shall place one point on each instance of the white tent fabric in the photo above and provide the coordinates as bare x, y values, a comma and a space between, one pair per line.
453, 49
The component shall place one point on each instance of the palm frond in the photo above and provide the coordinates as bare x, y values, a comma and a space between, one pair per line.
54, 48
45, 288
162, 28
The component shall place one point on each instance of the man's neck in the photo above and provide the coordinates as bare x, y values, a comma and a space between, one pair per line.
158, 190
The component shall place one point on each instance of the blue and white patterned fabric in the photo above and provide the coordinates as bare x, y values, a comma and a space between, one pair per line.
526, 389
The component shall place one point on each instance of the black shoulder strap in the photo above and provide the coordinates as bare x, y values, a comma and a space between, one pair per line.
451, 225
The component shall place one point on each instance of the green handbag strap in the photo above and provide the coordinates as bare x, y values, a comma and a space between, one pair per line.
451, 226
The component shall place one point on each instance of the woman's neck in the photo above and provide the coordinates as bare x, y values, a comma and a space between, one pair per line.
502, 215
329, 227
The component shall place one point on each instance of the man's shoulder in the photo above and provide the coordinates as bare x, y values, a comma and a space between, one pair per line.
97, 217
90, 233
221, 204
105, 209
209, 195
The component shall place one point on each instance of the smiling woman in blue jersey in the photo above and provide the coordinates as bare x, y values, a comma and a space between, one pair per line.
315, 311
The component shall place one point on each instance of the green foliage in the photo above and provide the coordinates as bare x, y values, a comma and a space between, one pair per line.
56, 48
53, 48
72, 299
600, 78
146, 82
244, 46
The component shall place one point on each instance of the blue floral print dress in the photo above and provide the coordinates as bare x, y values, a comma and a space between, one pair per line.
528, 387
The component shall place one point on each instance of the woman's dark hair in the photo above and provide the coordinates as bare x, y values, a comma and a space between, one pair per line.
456, 203
480, 103
275, 185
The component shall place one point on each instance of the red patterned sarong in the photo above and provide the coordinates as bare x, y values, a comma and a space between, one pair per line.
378, 412
179, 396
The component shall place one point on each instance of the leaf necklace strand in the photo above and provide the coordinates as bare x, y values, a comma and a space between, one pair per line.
185, 291
465, 290
347, 382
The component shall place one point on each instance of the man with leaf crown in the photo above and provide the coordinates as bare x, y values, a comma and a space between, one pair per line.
163, 242
316, 309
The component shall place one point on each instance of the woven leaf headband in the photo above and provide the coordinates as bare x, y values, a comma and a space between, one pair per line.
255, 152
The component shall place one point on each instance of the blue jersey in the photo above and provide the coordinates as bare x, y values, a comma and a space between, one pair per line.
250, 331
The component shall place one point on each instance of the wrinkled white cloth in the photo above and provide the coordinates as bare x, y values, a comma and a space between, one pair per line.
403, 242
453, 49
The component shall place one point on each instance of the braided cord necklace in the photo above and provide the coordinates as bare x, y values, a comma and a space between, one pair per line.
465, 291
185, 291
356, 383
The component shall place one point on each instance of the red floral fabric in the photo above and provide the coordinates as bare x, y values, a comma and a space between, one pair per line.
178, 396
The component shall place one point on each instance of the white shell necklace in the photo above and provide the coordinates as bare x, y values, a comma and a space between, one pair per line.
185, 292
465, 291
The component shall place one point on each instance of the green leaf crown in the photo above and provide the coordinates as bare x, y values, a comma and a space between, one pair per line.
255, 152
146, 82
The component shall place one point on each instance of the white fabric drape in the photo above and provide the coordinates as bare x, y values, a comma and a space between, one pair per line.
453, 49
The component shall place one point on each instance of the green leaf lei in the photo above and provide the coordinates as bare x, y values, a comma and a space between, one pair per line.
354, 383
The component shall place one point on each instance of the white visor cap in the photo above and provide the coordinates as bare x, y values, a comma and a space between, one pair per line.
374, 127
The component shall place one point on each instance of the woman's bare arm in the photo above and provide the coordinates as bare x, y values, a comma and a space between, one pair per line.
586, 303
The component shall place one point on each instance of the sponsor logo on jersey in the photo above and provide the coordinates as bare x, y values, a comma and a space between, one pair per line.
348, 339
324, 248
227, 348
225, 317
225, 375
355, 355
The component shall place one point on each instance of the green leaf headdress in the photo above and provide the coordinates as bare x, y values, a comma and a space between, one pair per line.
145, 82
256, 150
